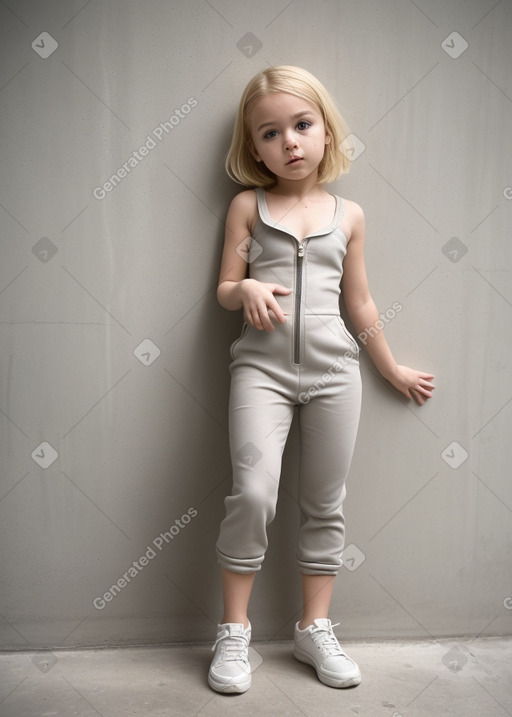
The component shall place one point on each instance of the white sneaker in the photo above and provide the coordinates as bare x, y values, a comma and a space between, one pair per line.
230, 670
317, 645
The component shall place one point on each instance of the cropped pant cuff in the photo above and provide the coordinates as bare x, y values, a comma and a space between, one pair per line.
318, 568
239, 565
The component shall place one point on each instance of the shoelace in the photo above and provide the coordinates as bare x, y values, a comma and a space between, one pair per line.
231, 647
326, 640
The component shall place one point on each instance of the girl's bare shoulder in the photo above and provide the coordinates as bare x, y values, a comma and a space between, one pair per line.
244, 208
245, 200
353, 221
353, 209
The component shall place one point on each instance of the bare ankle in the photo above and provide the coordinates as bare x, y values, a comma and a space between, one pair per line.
307, 622
236, 620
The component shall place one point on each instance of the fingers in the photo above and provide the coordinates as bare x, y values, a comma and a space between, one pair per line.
259, 318
261, 308
261, 315
278, 313
422, 391
425, 387
416, 385
417, 397
274, 310
279, 289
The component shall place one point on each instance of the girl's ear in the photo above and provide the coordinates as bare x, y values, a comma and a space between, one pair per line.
328, 138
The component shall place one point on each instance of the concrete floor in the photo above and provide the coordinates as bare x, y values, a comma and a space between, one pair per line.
400, 679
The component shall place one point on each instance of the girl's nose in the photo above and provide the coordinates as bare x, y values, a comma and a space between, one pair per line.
290, 140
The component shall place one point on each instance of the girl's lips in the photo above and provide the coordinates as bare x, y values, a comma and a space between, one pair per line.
294, 159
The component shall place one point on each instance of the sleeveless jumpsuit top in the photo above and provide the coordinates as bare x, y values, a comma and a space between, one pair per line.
314, 334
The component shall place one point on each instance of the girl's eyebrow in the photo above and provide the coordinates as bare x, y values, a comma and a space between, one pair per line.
295, 116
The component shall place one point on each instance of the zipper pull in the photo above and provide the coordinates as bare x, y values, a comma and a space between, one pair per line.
301, 249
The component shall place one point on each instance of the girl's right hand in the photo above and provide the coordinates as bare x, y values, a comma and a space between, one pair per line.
260, 305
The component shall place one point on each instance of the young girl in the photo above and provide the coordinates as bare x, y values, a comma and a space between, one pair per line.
289, 245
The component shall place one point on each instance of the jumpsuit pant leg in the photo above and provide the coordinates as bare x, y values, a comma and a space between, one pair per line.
328, 426
259, 422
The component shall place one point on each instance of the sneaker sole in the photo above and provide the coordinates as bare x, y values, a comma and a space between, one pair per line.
349, 681
229, 687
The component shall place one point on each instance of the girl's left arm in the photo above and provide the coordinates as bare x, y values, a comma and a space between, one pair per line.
364, 316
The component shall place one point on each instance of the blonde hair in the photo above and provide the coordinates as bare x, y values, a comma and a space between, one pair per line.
243, 168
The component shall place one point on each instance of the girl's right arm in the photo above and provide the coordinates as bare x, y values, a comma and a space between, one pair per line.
235, 290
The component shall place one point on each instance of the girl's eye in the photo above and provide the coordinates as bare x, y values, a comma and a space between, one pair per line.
302, 125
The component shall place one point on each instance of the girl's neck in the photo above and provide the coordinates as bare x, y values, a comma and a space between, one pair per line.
298, 188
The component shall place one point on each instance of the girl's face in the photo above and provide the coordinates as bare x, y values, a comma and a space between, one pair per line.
288, 135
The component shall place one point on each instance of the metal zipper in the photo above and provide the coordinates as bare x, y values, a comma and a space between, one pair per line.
298, 301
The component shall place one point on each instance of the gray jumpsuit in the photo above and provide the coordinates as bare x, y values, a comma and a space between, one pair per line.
311, 361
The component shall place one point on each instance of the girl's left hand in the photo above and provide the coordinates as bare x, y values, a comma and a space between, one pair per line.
413, 384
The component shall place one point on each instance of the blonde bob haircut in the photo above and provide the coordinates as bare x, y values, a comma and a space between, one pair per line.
243, 168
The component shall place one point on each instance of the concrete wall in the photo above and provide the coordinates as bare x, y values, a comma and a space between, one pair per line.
114, 352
